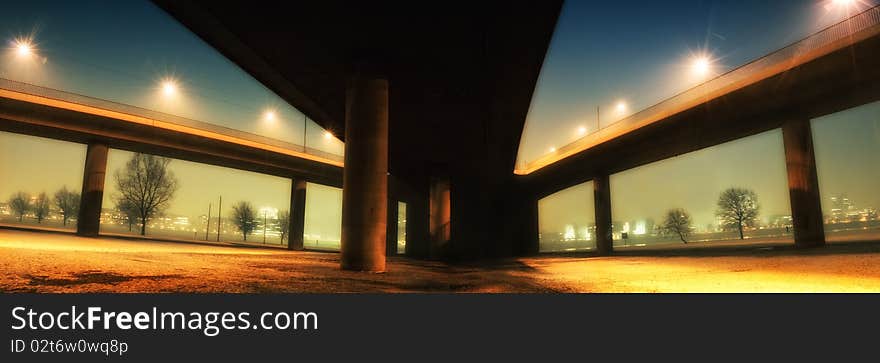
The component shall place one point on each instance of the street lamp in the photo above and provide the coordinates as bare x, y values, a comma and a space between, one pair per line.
169, 87
24, 48
701, 65
328, 135
269, 116
621, 108
844, 4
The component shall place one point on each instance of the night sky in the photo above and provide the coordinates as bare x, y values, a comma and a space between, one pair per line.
639, 52
122, 50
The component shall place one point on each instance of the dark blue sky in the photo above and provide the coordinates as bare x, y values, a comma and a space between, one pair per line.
120, 50
638, 52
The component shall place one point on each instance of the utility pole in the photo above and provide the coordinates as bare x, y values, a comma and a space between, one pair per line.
219, 217
598, 119
264, 227
305, 132
208, 222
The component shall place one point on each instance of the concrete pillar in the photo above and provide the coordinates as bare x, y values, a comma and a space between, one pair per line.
803, 184
89, 219
602, 201
418, 215
529, 227
297, 215
391, 232
440, 220
365, 176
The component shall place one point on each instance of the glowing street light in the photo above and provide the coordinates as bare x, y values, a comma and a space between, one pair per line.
701, 65
621, 108
24, 48
328, 135
841, 4
837, 10
269, 116
552, 149
169, 87
582, 130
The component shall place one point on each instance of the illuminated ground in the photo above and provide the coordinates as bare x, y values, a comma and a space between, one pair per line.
52, 262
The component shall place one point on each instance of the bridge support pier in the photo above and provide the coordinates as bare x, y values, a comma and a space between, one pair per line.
391, 231
602, 201
365, 176
440, 215
803, 183
89, 219
297, 214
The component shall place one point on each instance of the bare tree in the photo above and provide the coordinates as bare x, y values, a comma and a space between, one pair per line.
67, 202
146, 185
284, 223
738, 208
20, 203
41, 207
130, 211
677, 222
244, 217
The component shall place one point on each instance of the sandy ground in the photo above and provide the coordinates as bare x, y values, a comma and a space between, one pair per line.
53, 262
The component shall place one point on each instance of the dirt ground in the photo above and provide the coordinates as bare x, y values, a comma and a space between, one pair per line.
55, 262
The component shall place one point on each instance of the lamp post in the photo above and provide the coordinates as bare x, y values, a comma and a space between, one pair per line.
219, 217
208, 222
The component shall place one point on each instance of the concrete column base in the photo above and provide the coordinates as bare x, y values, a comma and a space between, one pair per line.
391, 232
602, 201
365, 176
440, 220
88, 222
803, 184
297, 215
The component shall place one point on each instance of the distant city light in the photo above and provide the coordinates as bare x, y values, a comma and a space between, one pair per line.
569, 233
269, 116
328, 135
169, 87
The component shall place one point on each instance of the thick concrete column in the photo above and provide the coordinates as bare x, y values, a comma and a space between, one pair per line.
89, 219
391, 232
602, 201
365, 176
803, 184
297, 215
440, 220
530, 229
418, 215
